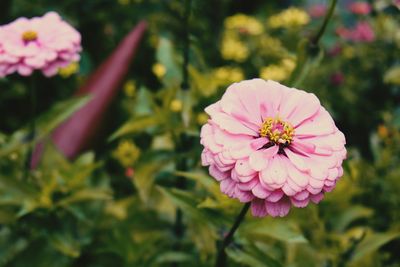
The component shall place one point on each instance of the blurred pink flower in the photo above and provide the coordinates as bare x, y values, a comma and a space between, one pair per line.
335, 50
360, 8
396, 3
317, 10
337, 78
362, 33
344, 33
129, 172
40, 43
272, 145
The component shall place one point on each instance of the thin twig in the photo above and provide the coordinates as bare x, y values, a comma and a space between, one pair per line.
32, 124
315, 40
221, 257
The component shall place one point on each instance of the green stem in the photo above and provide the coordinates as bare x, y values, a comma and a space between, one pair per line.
221, 257
315, 40
32, 125
309, 48
181, 163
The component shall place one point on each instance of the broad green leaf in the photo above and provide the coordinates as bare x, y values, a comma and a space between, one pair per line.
87, 194
59, 113
7, 217
136, 125
66, 245
45, 123
171, 256
145, 176
373, 242
253, 259
351, 214
392, 76
166, 56
277, 229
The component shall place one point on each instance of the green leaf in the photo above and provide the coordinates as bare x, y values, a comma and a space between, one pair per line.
66, 245
165, 55
392, 76
59, 113
136, 125
277, 229
252, 257
351, 214
371, 243
45, 123
87, 194
145, 176
171, 256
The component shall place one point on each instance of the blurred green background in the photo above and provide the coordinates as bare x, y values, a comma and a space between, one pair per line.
115, 205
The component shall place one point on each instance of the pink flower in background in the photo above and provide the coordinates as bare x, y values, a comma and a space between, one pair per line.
40, 43
360, 8
337, 78
362, 33
396, 3
317, 10
272, 145
335, 50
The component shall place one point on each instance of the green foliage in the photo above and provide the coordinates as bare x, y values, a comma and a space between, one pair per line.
164, 209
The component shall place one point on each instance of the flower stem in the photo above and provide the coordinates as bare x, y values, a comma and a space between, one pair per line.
181, 163
310, 51
221, 257
32, 125
315, 40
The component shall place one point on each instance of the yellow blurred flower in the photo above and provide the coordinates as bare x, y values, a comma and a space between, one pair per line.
130, 88
233, 49
349, 52
124, 2
271, 46
69, 70
244, 24
202, 118
278, 72
289, 64
291, 17
159, 70
273, 72
176, 105
228, 75
126, 153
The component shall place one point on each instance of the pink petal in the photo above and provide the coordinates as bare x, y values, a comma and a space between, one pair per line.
260, 191
280, 208
258, 208
227, 187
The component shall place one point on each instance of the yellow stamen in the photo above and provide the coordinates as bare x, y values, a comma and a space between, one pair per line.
29, 36
277, 131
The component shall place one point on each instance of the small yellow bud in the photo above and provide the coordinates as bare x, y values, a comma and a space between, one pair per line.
159, 70
176, 105
69, 70
130, 88
202, 118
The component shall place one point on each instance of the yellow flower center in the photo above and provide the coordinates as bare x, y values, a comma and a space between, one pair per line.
29, 36
277, 131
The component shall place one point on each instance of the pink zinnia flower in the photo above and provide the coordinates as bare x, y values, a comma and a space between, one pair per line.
337, 78
317, 10
362, 33
272, 145
360, 8
41, 43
